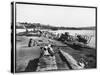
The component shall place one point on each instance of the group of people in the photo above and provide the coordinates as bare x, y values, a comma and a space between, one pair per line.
45, 61
48, 34
79, 38
32, 43
47, 58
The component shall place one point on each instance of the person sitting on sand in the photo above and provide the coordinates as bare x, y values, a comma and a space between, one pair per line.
50, 50
82, 39
34, 42
30, 43
47, 51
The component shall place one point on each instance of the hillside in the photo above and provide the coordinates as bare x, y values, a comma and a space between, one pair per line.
42, 26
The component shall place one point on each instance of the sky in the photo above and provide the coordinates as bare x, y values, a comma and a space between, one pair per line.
55, 15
